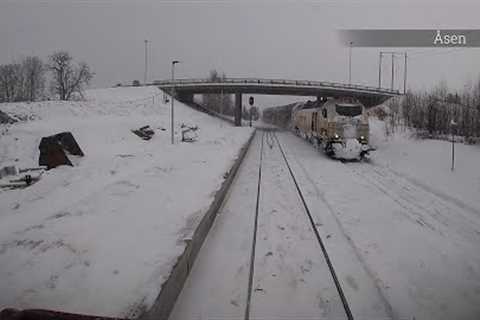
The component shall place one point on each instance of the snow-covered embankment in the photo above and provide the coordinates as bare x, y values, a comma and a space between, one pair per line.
101, 237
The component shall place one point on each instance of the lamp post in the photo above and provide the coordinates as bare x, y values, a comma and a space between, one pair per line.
350, 64
380, 69
174, 62
393, 71
146, 62
405, 74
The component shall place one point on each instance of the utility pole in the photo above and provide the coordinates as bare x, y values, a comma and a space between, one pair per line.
146, 62
350, 64
393, 54
380, 69
172, 97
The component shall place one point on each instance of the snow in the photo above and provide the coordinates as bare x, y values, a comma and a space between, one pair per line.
348, 151
101, 237
419, 247
427, 163
217, 285
402, 230
400, 247
291, 278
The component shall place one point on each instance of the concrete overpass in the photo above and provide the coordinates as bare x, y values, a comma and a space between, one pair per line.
185, 89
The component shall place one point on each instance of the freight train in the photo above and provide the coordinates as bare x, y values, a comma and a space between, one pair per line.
337, 125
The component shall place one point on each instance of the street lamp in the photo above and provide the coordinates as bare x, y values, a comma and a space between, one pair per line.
380, 69
350, 64
174, 62
146, 62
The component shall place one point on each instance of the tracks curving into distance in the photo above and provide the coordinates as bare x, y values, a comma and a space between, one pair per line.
271, 139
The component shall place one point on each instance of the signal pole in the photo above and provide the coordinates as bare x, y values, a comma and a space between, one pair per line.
172, 97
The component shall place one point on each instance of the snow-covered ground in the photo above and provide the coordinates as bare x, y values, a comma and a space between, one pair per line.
419, 246
400, 247
427, 163
102, 236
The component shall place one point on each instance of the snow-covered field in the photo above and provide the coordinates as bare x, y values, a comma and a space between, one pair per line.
402, 231
427, 163
101, 237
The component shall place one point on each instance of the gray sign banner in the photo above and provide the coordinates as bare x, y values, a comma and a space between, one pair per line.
431, 38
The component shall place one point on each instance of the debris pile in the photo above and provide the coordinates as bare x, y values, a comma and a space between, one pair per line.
8, 171
5, 118
52, 150
145, 132
21, 178
189, 133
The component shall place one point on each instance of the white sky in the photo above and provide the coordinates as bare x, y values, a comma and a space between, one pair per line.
279, 39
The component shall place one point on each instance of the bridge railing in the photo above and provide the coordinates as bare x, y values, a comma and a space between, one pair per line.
309, 83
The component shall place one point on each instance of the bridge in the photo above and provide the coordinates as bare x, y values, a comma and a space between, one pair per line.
185, 89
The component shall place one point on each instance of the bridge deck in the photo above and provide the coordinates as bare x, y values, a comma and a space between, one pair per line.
274, 86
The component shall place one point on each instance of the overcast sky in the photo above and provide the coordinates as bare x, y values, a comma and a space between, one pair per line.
270, 39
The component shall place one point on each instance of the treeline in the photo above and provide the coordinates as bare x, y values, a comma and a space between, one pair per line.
219, 103
438, 112
31, 79
23, 81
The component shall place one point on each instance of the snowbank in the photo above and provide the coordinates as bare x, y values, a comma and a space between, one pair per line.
101, 237
427, 163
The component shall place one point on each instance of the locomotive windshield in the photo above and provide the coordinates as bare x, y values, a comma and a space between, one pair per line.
349, 110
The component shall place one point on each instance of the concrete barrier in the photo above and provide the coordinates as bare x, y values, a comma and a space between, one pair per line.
172, 287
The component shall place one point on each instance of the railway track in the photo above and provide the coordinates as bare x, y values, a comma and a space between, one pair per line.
265, 258
271, 140
291, 213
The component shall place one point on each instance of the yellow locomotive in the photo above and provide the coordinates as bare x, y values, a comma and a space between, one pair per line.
339, 126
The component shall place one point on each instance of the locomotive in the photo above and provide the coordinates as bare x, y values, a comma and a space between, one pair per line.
338, 125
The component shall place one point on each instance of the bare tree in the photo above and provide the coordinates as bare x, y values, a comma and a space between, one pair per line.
432, 112
34, 77
221, 103
11, 82
67, 78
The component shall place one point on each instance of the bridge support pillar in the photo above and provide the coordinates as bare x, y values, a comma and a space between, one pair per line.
185, 97
238, 109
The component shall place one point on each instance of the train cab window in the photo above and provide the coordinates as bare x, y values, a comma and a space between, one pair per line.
324, 113
348, 110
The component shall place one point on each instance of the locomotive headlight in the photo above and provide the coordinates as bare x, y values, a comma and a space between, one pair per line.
336, 136
362, 138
